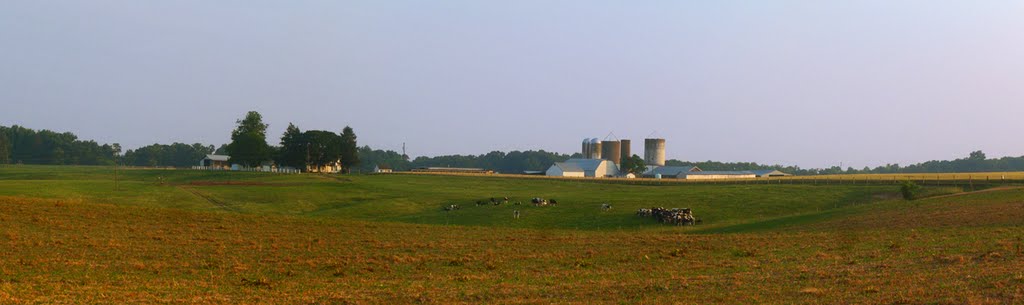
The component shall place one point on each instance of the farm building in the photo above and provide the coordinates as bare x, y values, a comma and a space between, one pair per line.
382, 168
458, 170
670, 171
769, 173
583, 168
565, 169
708, 175
216, 161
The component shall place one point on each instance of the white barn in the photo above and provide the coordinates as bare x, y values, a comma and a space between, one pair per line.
564, 169
583, 168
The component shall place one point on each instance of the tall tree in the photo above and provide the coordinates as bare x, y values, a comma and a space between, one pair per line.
5, 148
222, 150
293, 148
977, 156
633, 164
349, 150
323, 148
249, 141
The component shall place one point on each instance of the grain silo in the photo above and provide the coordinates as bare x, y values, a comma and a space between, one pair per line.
611, 150
654, 152
586, 148
626, 153
595, 147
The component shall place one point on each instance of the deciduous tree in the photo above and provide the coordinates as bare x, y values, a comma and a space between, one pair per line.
249, 141
323, 148
633, 164
293, 148
349, 150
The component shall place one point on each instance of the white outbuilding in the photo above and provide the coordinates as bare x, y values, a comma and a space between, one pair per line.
583, 168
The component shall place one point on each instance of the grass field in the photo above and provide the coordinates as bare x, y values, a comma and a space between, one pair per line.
247, 238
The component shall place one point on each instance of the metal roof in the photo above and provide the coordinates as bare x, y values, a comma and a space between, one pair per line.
720, 173
568, 167
672, 170
587, 164
218, 157
762, 172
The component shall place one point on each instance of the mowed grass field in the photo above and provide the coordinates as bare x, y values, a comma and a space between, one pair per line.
247, 238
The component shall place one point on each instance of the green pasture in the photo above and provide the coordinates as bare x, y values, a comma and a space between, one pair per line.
421, 198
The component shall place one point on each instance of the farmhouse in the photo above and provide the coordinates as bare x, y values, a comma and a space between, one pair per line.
583, 168
332, 167
382, 168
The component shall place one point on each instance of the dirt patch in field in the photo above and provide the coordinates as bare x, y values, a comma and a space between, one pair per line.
886, 196
212, 200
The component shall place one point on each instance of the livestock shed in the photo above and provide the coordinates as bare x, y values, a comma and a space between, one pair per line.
583, 168
769, 173
709, 175
456, 170
670, 171
215, 161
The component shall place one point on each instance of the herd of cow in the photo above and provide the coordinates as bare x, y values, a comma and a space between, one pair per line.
534, 201
678, 217
537, 201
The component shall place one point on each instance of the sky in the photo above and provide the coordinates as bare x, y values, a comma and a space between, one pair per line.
810, 83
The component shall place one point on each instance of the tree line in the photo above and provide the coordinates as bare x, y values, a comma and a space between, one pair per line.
20, 145
318, 148
975, 162
513, 162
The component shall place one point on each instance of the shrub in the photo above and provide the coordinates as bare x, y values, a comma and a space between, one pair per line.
909, 190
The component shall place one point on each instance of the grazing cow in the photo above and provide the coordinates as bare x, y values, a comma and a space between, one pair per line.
678, 217
539, 202
515, 214
606, 207
451, 207
479, 203
552, 202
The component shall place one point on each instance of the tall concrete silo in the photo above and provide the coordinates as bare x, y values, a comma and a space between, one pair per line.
654, 152
586, 148
611, 150
626, 153
595, 147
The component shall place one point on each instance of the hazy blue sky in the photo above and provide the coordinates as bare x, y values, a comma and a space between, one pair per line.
811, 83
